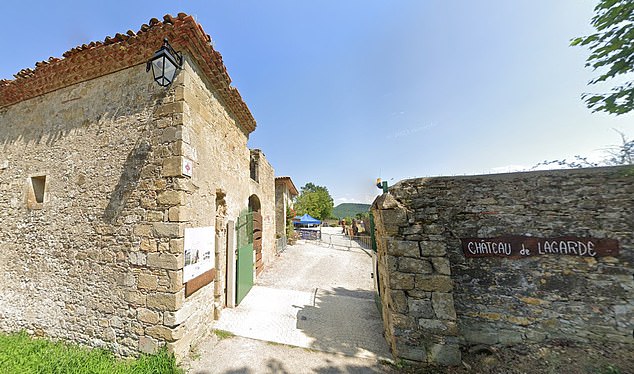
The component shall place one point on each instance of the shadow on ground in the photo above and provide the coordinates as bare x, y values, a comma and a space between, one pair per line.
344, 321
274, 366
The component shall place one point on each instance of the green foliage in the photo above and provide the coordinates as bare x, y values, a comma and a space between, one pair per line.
612, 48
314, 200
350, 210
21, 354
622, 154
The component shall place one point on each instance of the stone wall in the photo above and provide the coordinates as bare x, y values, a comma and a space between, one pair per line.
265, 190
98, 259
436, 298
70, 266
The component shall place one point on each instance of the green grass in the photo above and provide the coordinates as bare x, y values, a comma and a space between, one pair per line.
222, 334
19, 353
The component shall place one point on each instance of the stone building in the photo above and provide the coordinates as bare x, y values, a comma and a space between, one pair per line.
123, 202
285, 191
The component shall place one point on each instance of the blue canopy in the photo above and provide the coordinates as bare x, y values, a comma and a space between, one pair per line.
308, 220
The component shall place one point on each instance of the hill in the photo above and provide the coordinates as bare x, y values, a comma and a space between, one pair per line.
349, 209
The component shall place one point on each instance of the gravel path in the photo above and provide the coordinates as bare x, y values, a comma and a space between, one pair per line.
312, 297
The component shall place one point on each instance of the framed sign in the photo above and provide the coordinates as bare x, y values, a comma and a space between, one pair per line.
516, 246
199, 251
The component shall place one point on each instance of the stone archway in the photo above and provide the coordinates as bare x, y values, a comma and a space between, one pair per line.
255, 208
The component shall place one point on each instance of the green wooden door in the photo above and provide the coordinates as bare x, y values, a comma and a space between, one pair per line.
244, 276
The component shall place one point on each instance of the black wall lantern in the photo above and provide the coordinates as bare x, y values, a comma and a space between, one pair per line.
164, 64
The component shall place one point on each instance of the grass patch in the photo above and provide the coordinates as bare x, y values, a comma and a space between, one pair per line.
222, 334
19, 353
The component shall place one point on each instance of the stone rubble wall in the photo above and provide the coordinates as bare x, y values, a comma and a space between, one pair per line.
100, 261
265, 190
435, 299
71, 267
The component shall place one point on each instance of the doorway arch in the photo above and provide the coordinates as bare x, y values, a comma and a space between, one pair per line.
255, 208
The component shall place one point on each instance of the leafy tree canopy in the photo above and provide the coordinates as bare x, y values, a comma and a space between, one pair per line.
314, 200
612, 48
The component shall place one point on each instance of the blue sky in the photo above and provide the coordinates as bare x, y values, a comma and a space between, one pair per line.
347, 91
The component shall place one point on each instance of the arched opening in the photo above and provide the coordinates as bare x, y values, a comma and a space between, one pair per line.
255, 207
254, 203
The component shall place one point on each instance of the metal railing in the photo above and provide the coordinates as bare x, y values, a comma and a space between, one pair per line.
280, 244
347, 242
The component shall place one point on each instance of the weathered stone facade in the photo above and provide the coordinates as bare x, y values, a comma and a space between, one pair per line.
435, 298
285, 191
96, 201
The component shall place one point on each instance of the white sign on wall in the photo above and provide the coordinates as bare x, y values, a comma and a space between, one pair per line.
199, 251
187, 167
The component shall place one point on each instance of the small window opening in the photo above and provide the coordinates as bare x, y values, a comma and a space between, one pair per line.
39, 186
254, 169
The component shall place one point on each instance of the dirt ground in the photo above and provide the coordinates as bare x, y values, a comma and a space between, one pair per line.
557, 356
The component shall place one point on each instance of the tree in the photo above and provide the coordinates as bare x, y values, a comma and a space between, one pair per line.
622, 154
611, 47
314, 200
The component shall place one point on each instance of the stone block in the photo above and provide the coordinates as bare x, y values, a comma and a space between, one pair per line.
135, 297
392, 263
183, 149
179, 214
434, 229
480, 336
441, 265
420, 308
385, 202
509, 337
411, 265
171, 198
165, 301
438, 327
172, 166
184, 184
127, 280
154, 216
393, 220
398, 301
136, 258
148, 245
445, 354
147, 316
167, 261
412, 353
438, 283
403, 248
403, 322
177, 245
419, 294
168, 230
164, 247
175, 280
116, 322
170, 108
164, 333
433, 248
148, 345
143, 230
147, 281
443, 305
402, 281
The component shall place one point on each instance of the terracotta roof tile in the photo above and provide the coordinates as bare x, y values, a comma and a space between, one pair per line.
97, 58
